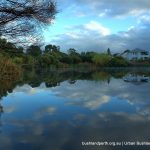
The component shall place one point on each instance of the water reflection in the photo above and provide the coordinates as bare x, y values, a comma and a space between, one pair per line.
136, 78
1, 111
57, 110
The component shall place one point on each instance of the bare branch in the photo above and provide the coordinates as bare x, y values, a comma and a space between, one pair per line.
25, 17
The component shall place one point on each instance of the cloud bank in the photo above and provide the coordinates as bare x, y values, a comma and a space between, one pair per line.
93, 35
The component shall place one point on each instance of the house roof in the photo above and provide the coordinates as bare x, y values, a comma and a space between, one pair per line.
134, 50
138, 50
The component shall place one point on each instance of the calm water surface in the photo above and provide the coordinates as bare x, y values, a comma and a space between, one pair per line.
61, 109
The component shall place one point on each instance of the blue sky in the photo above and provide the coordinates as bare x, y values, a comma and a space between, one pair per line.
95, 25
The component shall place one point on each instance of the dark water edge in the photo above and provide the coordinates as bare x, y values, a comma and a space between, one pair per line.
58, 109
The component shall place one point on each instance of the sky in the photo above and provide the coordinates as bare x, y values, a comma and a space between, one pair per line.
96, 25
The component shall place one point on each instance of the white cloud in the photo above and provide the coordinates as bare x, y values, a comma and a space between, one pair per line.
10, 109
44, 111
92, 95
116, 7
73, 35
144, 19
131, 27
78, 94
80, 14
29, 90
93, 36
95, 26
94, 104
89, 36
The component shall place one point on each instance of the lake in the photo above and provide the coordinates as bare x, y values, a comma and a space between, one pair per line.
76, 109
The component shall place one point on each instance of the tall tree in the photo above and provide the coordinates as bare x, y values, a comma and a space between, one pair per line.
101, 59
52, 49
34, 51
48, 48
72, 51
23, 17
74, 56
108, 51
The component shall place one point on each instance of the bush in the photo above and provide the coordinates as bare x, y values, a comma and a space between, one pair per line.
118, 62
18, 60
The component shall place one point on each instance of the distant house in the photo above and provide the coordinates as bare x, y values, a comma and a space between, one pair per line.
136, 54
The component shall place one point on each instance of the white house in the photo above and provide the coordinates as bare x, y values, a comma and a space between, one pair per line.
136, 54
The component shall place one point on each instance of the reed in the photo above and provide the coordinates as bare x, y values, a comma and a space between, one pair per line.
8, 70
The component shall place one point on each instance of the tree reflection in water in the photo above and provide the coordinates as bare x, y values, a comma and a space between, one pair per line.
1, 111
68, 118
52, 78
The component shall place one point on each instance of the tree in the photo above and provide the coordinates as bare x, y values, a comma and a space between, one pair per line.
101, 59
118, 61
48, 48
28, 60
51, 48
45, 60
72, 51
22, 18
34, 50
87, 56
74, 56
20, 49
108, 51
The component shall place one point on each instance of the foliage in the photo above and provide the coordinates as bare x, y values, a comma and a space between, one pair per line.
101, 76
21, 19
74, 56
46, 60
18, 60
118, 62
87, 56
34, 51
101, 59
108, 51
28, 60
52, 56
51, 48
8, 69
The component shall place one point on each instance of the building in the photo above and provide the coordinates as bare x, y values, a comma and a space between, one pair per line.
136, 54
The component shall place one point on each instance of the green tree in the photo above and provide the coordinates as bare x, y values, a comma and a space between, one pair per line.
101, 59
51, 48
87, 56
46, 60
108, 51
18, 60
48, 48
20, 49
118, 61
72, 51
34, 51
74, 56
28, 60
9, 48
